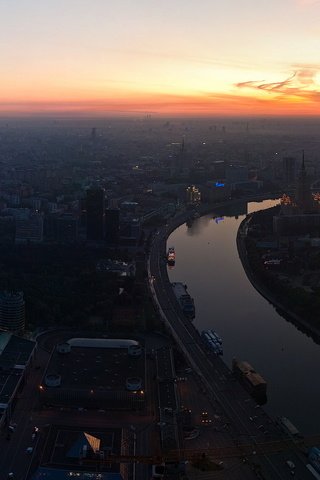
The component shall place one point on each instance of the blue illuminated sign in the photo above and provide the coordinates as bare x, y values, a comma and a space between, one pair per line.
219, 184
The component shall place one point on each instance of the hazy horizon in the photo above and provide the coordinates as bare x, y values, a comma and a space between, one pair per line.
220, 58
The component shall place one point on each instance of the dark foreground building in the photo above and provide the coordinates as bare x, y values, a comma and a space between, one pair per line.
83, 453
95, 214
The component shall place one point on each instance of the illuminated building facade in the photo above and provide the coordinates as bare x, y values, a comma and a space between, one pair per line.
193, 195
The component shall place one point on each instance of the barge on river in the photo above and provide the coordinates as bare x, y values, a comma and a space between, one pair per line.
185, 301
252, 381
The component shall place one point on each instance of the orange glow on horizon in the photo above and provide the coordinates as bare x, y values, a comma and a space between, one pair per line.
205, 104
96, 57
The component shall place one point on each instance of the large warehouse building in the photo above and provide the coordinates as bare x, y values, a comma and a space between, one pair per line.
96, 373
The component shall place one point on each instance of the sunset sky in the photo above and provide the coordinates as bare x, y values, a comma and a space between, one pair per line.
195, 57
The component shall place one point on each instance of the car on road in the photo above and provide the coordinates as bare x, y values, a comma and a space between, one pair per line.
290, 464
12, 426
29, 450
158, 471
205, 420
191, 433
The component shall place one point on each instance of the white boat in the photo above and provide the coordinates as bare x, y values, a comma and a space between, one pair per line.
212, 340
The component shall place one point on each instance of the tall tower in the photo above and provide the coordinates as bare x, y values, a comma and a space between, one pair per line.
95, 213
303, 192
93, 133
12, 311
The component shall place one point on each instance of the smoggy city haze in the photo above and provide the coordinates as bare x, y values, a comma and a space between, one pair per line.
177, 58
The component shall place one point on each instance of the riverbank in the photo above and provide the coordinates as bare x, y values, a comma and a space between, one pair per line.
283, 310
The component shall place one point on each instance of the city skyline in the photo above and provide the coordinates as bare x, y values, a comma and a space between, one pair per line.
220, 58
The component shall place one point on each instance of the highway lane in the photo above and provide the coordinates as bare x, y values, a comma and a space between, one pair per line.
220, 386
13, 456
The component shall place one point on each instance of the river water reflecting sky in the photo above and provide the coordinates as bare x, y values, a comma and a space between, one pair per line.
207, 261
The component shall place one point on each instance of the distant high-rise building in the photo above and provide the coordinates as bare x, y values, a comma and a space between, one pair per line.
112, 226
67, 231
303, 195
219, 169
113, 203
93, 133
289, 170
236, 173
12, 311
95, 213
29, 228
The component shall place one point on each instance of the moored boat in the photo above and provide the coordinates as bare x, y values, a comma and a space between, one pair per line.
213, 341
184, 299
171, 256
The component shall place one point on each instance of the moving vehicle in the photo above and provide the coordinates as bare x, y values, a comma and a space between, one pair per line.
285, 422
205, 420
290, 464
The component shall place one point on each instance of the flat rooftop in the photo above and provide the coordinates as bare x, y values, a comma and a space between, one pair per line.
94, 367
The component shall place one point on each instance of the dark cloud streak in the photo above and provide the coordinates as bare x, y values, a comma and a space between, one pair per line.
300, 84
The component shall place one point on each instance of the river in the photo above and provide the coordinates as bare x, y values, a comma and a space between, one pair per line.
207, 261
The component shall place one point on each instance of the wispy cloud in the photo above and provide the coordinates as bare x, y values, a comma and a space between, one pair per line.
301, 84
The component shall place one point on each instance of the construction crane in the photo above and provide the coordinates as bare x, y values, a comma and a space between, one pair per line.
216, 454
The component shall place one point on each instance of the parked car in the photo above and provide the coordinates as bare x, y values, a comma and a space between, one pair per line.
158, 471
